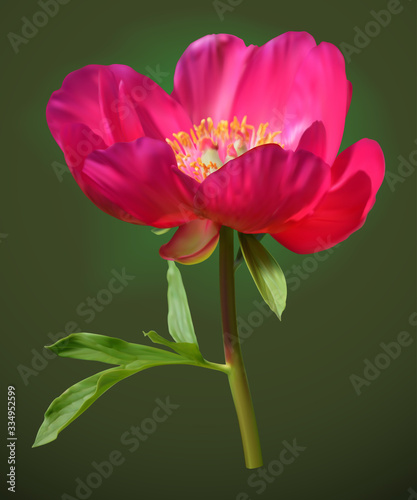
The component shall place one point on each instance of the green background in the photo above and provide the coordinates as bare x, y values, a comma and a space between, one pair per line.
61, 249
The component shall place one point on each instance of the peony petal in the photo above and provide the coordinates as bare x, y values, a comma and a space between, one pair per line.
142, 179
314, 140
128, 118
160, 115
364, 156
76, 101
192, 243
116, 103
320, 92
338, 216
108, 94
79, 142
267, 80
357, 174
349, 95
263, 188
207, 75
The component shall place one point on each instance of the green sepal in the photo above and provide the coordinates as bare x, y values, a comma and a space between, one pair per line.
180, 323
266, 273
160, 232
239, 256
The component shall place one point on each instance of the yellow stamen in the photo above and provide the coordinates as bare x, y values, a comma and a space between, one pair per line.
206, 148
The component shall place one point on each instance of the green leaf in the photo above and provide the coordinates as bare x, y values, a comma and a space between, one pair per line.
180, 324
93, 347
159, 232
185, 349
266, 273
75, 400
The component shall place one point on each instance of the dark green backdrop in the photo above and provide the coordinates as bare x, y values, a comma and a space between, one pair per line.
57, 249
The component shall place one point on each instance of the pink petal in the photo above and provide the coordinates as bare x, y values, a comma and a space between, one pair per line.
207, 75
192, 243
108, 93
357, 174
314, 140
260, 190
349, 95
364, 156
160, 115
268, 78
320, 92
116, 103
128, 117
142, 179
80, 142
77, 101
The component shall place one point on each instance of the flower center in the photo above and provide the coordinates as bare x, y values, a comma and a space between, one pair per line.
207, 148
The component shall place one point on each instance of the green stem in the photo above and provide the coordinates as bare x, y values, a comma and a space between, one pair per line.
237, 374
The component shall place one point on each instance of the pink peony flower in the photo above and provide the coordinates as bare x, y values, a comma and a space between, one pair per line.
249, 138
